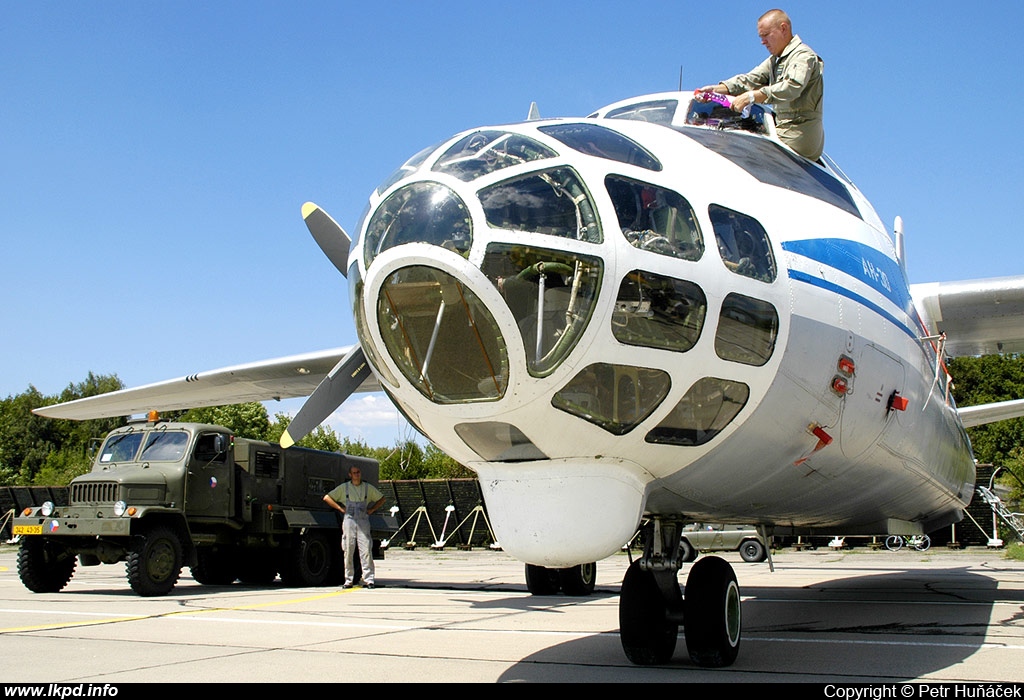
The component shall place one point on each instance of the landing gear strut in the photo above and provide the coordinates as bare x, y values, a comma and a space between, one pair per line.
651, 606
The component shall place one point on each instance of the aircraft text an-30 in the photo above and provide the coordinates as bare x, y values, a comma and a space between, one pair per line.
654, 315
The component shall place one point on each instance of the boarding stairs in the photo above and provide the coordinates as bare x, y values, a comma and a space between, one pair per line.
1015, 521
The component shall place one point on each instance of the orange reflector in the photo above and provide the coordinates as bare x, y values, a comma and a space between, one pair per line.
132, 510
27, 511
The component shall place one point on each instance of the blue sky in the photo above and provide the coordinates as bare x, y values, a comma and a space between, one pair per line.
154, 156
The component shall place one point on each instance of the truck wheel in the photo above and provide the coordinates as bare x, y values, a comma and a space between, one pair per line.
257, 567
154, 562
44, 567
309, 562
753, 551
215, 567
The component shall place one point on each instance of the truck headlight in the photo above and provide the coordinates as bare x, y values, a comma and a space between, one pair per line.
46, 510
119, 508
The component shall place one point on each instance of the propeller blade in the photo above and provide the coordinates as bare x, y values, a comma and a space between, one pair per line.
337, 386
331, 237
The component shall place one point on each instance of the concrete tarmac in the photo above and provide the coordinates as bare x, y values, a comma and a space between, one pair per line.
449, 616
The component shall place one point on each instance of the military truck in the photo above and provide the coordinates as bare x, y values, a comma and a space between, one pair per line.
164, 495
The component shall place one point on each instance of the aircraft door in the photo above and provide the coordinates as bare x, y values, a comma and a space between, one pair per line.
865, 414
208, 492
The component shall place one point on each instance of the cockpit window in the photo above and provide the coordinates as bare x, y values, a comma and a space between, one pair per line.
552, 202
423, 212
743, 243
656, 111
408, 168
602, 142
774, 164
658, 312
483, 152
747, 329
616, 398
551, 295
441, 336
655, 219
708, 406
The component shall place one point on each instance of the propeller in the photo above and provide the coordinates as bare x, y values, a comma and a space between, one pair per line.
331, 237
335, 388
353, 369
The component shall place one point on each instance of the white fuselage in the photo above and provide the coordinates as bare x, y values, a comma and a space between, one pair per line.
590, 376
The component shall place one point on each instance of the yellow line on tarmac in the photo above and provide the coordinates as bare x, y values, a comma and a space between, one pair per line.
134, 618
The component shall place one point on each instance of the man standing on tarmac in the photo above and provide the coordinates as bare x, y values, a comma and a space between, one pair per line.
357, 500
790, 80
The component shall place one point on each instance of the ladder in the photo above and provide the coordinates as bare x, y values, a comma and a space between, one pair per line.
1013, 520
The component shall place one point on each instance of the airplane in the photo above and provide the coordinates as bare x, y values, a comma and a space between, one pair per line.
654, 315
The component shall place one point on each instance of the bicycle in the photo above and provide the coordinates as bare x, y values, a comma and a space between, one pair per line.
919, 542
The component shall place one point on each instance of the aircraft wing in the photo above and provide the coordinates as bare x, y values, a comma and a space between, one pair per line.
279, 378
979, 317
971, 416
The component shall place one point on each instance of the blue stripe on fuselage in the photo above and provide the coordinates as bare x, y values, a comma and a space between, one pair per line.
867, 264
862, 262
843, 291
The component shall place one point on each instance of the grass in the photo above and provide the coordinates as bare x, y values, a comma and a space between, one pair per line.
1015, 551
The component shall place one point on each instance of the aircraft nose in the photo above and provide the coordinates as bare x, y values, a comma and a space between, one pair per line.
442, 336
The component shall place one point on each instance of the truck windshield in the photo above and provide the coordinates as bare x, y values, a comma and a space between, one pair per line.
164, 446
121, 447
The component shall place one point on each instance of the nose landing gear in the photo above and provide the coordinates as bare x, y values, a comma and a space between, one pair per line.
651, 605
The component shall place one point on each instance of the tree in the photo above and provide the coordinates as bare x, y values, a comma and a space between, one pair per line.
978, 380
248, 420
31, 444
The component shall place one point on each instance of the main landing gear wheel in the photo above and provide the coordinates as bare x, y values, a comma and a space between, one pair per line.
541, 580
578, 580
647, 634
711, 613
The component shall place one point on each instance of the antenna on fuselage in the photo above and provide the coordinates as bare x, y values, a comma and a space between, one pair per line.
534, 113
897, 232
680, 78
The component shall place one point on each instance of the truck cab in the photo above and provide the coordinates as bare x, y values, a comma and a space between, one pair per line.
162, 495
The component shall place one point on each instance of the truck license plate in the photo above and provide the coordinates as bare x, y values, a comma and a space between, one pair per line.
28, 529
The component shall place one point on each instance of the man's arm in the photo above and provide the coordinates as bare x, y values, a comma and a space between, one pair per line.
333, 503
376, 506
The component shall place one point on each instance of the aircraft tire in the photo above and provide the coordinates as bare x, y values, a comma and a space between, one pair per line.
154, 561
541, 580
578, 580
712, 616
648, 637
753, 551
44, 567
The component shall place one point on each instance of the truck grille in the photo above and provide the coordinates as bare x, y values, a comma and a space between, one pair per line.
98, 492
